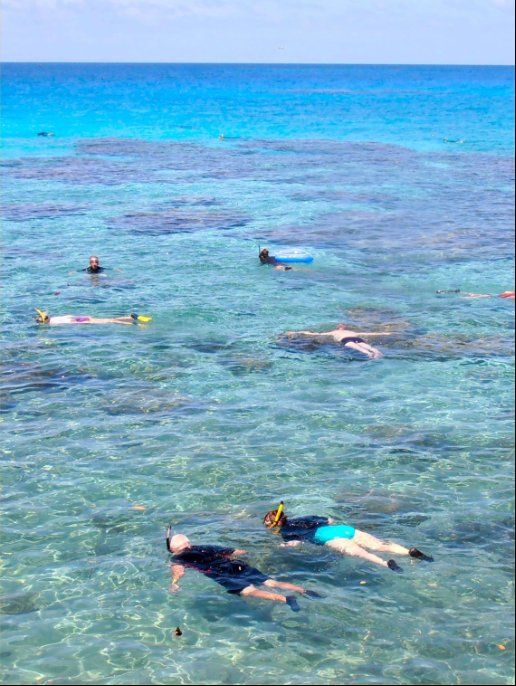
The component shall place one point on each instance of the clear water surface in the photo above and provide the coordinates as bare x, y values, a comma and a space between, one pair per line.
399, 180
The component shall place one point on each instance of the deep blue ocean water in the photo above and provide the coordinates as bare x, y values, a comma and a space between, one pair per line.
399, 181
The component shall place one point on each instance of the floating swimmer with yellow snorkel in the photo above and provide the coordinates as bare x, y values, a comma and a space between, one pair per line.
342, 538
45, 318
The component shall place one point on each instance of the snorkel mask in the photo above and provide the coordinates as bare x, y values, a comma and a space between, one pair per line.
42, 317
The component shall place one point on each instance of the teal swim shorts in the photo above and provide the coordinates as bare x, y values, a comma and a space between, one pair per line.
324, 534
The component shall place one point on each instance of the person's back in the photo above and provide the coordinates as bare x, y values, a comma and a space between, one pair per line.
223, 566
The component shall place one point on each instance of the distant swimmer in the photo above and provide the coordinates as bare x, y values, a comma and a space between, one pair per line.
46, 134
507, 295
223, 566
265, 258
342, 336
342, 538
94, 266
44, 318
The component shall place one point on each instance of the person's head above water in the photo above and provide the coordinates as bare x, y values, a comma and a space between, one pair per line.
263, 255
94, 264
178, 542
341, 326
42, 317
275, 517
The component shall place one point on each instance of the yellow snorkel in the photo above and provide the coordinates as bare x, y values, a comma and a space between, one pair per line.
43, 317
279, 512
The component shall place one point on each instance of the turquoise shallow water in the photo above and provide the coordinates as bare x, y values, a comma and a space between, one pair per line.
399, 182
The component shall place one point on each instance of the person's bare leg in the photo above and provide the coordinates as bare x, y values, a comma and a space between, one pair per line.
347, 547
373, 543
365, 349
109, 320
254, 592
123, 320
272, 583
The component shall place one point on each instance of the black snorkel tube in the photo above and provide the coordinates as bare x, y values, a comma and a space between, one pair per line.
167, 539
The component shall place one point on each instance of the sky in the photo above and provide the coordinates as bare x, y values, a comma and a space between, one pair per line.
310, 31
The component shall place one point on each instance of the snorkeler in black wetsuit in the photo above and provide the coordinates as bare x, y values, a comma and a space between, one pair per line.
265, 258
221, 565
94, 266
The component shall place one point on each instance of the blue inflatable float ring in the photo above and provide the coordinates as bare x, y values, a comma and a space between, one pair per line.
293, 256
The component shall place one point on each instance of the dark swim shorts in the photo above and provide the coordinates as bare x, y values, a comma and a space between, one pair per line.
234, 575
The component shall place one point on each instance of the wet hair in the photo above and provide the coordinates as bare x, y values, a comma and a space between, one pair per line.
42, 318
342, 325
263, 254
270, 517
94, 257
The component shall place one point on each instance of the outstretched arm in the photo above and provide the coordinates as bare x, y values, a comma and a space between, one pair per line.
301, 333
238, 552
291, 544
309, 334
476, 295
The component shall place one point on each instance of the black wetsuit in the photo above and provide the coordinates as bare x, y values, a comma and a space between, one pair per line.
214, 562
94, 271
273, 262
302, 528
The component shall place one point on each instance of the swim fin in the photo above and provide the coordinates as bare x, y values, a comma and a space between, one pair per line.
414, 552
312, 594
392, 564
292, 603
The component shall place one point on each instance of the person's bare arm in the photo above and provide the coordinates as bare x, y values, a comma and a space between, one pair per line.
291, 544
177, 572
127, 321
302, 333
238, 552
377, 333
475, 295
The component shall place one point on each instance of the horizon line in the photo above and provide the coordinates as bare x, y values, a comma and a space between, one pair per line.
312, 64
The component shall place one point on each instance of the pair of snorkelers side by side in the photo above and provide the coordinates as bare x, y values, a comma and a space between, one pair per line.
342, 335
266, 258
341, 538
506, 295
44, 318
223, 566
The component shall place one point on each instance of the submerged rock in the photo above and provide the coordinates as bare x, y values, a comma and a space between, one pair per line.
18, 603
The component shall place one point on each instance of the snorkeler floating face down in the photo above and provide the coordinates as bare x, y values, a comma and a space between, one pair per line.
42, 317
224, 566
275, 517
341, 538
